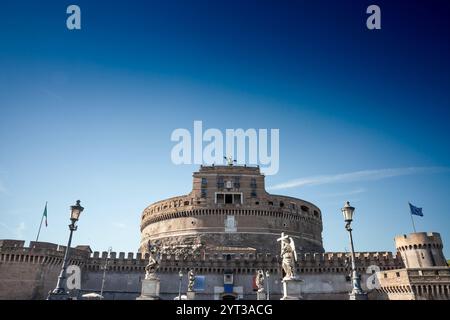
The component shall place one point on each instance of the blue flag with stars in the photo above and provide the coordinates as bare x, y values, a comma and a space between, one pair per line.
415, 210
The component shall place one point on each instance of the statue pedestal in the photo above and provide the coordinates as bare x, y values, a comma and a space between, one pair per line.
260, 295
150, 289
292, 289
357, 296
190, 295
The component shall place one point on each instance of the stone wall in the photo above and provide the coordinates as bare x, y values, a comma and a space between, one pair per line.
31, 272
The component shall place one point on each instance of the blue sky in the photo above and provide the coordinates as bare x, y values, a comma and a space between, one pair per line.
363, 115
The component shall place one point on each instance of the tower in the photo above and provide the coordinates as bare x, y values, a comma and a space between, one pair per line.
421, 250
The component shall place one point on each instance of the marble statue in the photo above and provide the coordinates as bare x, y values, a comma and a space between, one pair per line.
288, 255
260, 280
191, 277
152, 266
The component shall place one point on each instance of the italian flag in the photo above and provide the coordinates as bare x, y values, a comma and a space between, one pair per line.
45, 214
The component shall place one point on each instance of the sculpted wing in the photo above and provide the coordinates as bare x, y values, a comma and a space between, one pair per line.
293, 248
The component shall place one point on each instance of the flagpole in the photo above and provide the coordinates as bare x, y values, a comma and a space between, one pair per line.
40, 225
414, 227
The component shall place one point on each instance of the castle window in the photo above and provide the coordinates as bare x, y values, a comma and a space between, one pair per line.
253, 183
204, 182
305, 208
203, 195
270, 203
220, 183
228, 198
397, 274
281, 204
253, 194
316, 214
237, 183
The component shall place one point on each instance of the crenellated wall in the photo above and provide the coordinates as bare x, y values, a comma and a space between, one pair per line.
30, 272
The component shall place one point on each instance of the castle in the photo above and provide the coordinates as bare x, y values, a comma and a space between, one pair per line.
226, 230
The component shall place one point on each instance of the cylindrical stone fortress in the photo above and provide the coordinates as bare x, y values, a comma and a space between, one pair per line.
229, 207
421, 250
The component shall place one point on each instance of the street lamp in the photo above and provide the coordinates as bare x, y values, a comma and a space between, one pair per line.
180, 275
60, 293
268, 285
357, 292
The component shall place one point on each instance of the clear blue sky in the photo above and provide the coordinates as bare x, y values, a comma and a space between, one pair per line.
88, 114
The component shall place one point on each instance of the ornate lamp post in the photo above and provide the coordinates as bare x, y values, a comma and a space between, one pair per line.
357, 292
180, 275
60, 293
268, 284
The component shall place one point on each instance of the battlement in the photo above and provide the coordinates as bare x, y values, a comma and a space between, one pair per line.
418, 240
229, 169
421, 249
14, 251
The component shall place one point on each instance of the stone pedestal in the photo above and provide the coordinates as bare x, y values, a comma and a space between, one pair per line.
292, 289
357, 296
190, 295
261, 295
150, 289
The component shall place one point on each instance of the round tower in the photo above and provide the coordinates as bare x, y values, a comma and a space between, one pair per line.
421, 249
229, 207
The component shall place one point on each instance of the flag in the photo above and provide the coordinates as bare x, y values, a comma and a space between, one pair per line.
45, 214
415, 210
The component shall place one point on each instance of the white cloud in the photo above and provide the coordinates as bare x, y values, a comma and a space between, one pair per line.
345, 193
364, 175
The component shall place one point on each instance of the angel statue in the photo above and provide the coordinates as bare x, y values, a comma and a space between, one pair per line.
288, 255
260, 280
191, 277
230, 160
152, 266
